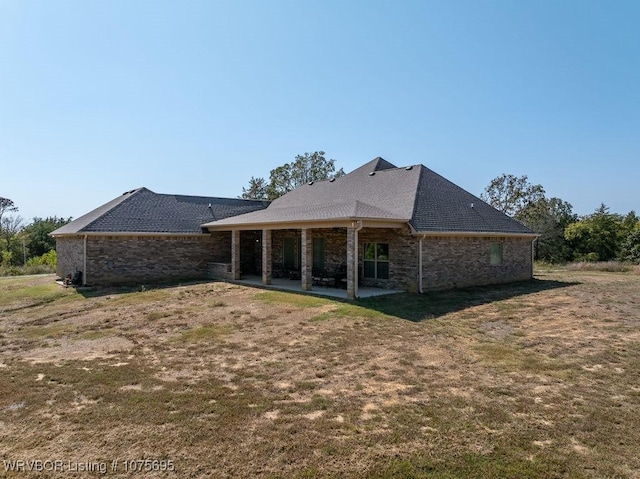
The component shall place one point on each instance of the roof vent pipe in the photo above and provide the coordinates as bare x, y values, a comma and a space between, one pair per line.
310, 183
372, 173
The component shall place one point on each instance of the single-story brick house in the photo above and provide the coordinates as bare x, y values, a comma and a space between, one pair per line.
144, 237
398, 228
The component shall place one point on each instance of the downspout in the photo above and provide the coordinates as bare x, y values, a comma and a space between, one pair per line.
533, 254
420, 290
355, 255
84, 267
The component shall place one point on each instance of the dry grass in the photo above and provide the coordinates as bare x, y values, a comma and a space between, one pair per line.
609, 266
538, 379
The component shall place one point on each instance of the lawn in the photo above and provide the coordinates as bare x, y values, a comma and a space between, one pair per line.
537, 379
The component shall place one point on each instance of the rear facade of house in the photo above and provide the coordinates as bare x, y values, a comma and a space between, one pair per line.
378, 226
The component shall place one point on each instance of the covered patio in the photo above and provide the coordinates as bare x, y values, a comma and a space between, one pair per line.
285, 284
322, 257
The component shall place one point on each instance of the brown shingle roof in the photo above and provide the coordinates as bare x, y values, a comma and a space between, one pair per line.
143, 211
380, 190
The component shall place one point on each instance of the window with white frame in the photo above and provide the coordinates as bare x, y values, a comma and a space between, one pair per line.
376, 260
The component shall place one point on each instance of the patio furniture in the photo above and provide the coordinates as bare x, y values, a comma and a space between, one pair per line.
277, 271
320, 277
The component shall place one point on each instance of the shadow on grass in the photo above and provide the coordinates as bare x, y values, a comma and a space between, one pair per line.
419, 307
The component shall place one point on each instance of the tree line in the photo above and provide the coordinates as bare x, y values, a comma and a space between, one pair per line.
565, 236
26, 248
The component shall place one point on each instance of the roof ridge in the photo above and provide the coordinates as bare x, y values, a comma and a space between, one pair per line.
377, 164
131, 194
100, 211
208, 197
416, 196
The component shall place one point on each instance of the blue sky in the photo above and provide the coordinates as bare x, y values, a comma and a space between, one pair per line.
100, 97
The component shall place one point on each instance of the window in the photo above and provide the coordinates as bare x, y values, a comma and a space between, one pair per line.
376, 260
496, 254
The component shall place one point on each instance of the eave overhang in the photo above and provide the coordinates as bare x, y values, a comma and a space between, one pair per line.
332, 223
486, 234
125, 233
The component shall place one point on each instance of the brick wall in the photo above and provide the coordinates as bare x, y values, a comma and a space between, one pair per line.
465, 261
448, 262
69, 255
403, 257
140, 259
221, 241
403, 252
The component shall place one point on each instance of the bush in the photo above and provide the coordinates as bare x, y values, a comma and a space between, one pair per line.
39, 269
10, 271
47, 259
32, 269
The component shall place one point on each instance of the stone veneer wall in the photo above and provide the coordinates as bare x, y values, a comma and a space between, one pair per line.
453, 262
141, 259
69, 255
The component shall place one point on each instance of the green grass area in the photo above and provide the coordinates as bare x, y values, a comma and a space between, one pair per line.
298, 300
21, 292
203, 333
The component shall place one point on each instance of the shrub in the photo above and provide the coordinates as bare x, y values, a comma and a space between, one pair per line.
10, 271
47, 259
39, 269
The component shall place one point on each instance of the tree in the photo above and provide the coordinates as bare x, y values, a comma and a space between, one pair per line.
630, 247
37, 238
549, 217
6, 206
596, 237
304, 168
511, 194
257, 189
8, 228
12, 253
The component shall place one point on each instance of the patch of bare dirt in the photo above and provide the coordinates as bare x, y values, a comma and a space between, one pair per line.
80, 350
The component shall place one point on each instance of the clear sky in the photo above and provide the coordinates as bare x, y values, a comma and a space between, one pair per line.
195, 97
